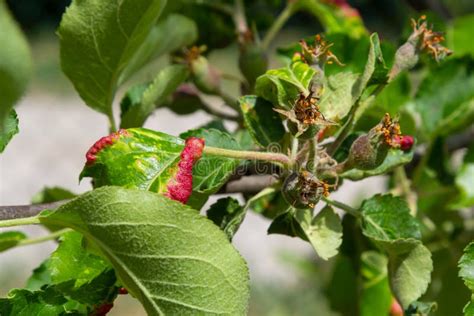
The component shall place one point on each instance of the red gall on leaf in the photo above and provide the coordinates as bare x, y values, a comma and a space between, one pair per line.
180, 187
105, 141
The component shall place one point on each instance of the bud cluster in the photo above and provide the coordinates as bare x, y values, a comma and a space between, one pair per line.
317, 54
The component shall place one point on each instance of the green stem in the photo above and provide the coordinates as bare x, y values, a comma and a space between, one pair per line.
41, 239
20, 221
112, 124
248, 155
348, 209
239, 17
278, 24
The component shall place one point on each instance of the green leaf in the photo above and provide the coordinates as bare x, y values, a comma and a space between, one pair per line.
10, 239
263, 123
15, 71
165, 83
271, 204
97, 41
41, 276
168, 35
376, 297
52, 194
459, 34
375, 71
395, 158
323, 232
10, 129
71, 262
211, 172
48, 301
337, 100
445, 99
225, 213
386, 220
409, 274
466, 272
169, 257
281, 86
144, 159
465, 181
334, 18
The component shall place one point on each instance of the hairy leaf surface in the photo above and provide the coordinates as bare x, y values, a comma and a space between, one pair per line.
171, 266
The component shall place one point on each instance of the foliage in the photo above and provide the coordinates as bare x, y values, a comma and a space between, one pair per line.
343, 106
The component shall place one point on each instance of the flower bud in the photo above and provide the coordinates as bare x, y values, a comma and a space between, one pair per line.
253, 61
369, 151
422, 40
204, 75
303, 189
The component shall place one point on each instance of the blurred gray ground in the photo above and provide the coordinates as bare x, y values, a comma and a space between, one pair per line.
55, 133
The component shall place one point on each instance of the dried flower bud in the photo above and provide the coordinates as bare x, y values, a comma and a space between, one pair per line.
180, 187
305, 119
303, 190
422, 40
369, 151
319, 53
204, 75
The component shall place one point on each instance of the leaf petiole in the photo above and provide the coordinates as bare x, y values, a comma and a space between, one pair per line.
20, 221
346, 208
41, 239
248, 155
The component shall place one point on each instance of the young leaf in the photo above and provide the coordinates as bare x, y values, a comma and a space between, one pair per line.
98, 39
71, 262
375, 71
409, 273
263, 123
15, 71
395, 158
171, 266
466, 272
47, 301
211, 172
167, 80
337, 100
52, 194
10, 129
376, 297
445, 99
10, 239
225, 213
281, 86
324, 231
464, 181
386, 220
168, 35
